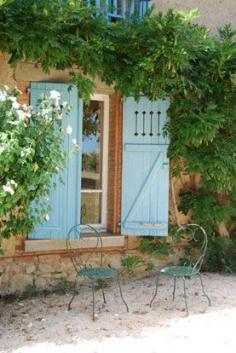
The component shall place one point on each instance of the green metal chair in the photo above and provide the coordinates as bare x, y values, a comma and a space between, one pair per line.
85, 270
192, 233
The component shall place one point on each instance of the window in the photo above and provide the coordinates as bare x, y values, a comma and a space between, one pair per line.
94, 162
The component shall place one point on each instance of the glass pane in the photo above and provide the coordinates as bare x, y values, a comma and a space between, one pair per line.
90, 208
92, 146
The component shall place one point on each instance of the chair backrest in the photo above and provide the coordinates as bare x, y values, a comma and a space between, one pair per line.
196, 237
73, 236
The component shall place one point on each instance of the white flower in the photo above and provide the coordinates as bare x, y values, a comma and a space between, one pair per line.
21, 114
47, 217
12, 98
60, 117
26, 152
6, 87
74, 141
12, 182
15, 105
45, 112
65, 105
55, 95
28, 114
69, 130
27, 110
8, 189
3, 96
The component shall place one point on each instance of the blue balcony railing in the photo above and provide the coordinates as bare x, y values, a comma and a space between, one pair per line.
115, 10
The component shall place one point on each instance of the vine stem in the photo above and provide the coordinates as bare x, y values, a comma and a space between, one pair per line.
174, 202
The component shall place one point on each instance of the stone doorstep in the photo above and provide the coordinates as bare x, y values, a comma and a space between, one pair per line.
83, 243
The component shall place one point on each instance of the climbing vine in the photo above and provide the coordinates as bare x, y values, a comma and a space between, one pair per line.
158, 56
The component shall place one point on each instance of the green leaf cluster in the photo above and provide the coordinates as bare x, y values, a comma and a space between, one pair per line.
221, 255
208, 209
156, 246
129, 264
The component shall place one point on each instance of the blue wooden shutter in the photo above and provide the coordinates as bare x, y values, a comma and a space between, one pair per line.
65, 199
145, 179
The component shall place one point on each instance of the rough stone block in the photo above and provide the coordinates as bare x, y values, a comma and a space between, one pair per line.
41, 283
45, 268
30, 268
19, 282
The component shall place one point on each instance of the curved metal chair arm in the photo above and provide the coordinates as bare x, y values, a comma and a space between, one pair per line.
193, 228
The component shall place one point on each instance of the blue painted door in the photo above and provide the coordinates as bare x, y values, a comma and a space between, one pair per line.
65, 198
145, 179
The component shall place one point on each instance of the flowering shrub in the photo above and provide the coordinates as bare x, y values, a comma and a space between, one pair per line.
30, 153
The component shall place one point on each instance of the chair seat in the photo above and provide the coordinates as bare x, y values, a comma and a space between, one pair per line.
179, 271
98, 273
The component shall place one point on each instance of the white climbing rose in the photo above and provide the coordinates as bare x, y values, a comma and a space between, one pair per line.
60, 117
21, 114
3, 96
12, 182
15, 105
55, 95
69, 130
12, 98
8, 189
64, 105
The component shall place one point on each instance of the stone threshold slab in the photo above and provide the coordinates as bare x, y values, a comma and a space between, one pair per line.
84, 242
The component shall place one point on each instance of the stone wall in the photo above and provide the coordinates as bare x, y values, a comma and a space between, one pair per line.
41, 271
20, 274
214, 13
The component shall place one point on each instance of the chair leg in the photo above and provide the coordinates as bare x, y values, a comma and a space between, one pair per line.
155, 294
73, 296
103, 295
93, 296
121, 295
203, 290
174, 288
185, 296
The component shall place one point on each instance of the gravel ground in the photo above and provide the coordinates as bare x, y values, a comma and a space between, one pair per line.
44, 324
